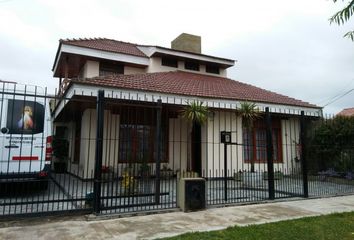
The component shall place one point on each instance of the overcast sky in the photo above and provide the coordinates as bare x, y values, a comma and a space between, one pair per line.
284, 46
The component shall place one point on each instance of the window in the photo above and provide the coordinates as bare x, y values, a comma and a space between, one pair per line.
24, 117
209, 68
169, 62
190, 65
135, 144
255, 143
110, 68
137, 133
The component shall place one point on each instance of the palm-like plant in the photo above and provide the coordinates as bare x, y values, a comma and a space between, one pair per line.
196, 114
343, 16
249, 113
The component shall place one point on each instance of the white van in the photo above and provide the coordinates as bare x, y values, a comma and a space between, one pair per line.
25, 133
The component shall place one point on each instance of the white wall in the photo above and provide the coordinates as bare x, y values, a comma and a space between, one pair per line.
155, 66
290, 142
223, 72
178, 144
91, 69
88, 141
133, 70
213, 149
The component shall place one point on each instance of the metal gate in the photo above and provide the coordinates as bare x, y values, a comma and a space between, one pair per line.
130, 150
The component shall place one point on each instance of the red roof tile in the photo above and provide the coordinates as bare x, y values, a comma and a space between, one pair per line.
105, 44
191, 84
112, 45
347, 112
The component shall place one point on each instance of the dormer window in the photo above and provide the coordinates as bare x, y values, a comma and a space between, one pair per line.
190, 65
209, 68
111, 68
169, 62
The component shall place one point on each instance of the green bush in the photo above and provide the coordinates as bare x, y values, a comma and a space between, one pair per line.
330, 145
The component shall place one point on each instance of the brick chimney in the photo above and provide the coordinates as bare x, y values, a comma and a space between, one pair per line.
187, 42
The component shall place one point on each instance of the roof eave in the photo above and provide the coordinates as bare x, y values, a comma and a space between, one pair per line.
96, 53
56, 56
152, 50
293, 109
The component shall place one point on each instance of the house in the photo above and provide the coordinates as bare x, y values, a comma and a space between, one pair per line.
346, 112
134, 77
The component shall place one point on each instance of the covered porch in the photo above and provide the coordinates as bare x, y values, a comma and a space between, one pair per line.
130, 136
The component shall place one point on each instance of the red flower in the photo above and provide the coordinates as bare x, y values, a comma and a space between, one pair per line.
105, 169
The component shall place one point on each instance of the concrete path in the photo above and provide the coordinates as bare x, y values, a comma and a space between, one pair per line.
170, 224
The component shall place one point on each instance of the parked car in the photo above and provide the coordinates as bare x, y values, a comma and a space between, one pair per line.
25, 134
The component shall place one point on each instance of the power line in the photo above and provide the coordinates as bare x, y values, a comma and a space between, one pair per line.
339, 97
338, 94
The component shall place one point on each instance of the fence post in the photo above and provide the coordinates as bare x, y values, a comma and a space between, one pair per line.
303, 155
98, 155
158, 150
270, 165
225, 172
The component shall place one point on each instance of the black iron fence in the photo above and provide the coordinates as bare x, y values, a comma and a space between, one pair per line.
330, 156
105, 153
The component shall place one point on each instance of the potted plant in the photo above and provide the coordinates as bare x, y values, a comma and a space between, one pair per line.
144, 170
145, 182
128, 181
166, 172
196, 114
60, 152
249, 113
106, 172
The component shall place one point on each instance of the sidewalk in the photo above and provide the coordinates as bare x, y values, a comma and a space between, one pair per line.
174, 223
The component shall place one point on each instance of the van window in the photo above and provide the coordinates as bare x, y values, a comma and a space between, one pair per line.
24, 117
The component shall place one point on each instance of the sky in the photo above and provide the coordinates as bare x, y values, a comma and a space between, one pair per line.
288, 47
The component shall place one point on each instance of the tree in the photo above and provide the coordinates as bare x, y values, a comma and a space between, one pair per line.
249, 113
343, 16
196, 114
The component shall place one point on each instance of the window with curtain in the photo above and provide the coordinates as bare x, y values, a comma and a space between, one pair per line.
137, 136
255, 142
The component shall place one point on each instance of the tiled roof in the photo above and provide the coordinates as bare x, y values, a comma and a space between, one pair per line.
191, 84
112, 45
346, 112
105, 44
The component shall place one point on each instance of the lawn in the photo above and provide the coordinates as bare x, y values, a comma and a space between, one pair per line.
334, 226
